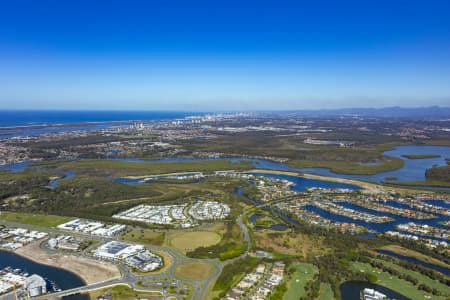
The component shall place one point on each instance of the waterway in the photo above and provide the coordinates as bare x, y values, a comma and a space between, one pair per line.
55, 182
413, 260
351, 290
63, 279
413, 169
301, 184
379, 227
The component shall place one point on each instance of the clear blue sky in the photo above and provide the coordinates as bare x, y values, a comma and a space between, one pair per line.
223, 55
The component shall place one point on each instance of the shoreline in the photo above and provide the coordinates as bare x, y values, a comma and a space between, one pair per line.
90, 271
366, 186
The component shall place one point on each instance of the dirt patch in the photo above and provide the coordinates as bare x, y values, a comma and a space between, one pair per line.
195, 270
90, 270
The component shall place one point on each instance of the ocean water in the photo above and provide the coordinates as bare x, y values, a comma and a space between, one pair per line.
15, 118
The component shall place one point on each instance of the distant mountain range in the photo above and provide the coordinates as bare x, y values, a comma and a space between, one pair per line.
388, 112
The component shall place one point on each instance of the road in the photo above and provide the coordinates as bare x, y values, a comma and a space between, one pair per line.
127, 277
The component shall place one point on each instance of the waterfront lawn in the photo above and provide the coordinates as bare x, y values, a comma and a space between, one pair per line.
34, 219
394, 283
435, 284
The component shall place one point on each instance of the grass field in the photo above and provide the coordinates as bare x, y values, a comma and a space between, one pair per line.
401, 286
326, 293
289, 243
347, 167
144, 236
34, 219
190, 240
123, 292
195, 270
117, 168
417, 255
298, 280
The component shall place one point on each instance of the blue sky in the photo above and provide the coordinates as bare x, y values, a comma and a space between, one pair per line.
223, 55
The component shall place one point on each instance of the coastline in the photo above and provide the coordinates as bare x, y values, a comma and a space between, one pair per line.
89, 270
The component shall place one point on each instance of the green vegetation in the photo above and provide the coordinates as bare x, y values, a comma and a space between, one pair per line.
441, 174
230, 246
118, 168
34, 219
301, 275
419, 184
420, 156
233, 272
400, 285
144, 236
417, 255
350, 167
191, 240
123, 292
326, 293
195, 270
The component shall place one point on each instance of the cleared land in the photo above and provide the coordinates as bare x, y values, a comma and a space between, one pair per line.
300, 277
195, 270
292, 243
144, 236
34, 219
91, 271
401, 286
188, 241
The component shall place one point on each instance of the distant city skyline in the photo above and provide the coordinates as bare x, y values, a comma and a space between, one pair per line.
223, 56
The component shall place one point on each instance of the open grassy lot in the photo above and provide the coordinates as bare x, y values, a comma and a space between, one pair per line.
123, 292
197, 270
34, 219
401, 286
190, 240
417, 255
117, 168
144, 236
290, 243
299, 278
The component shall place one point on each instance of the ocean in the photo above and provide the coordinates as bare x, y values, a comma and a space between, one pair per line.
15, 118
